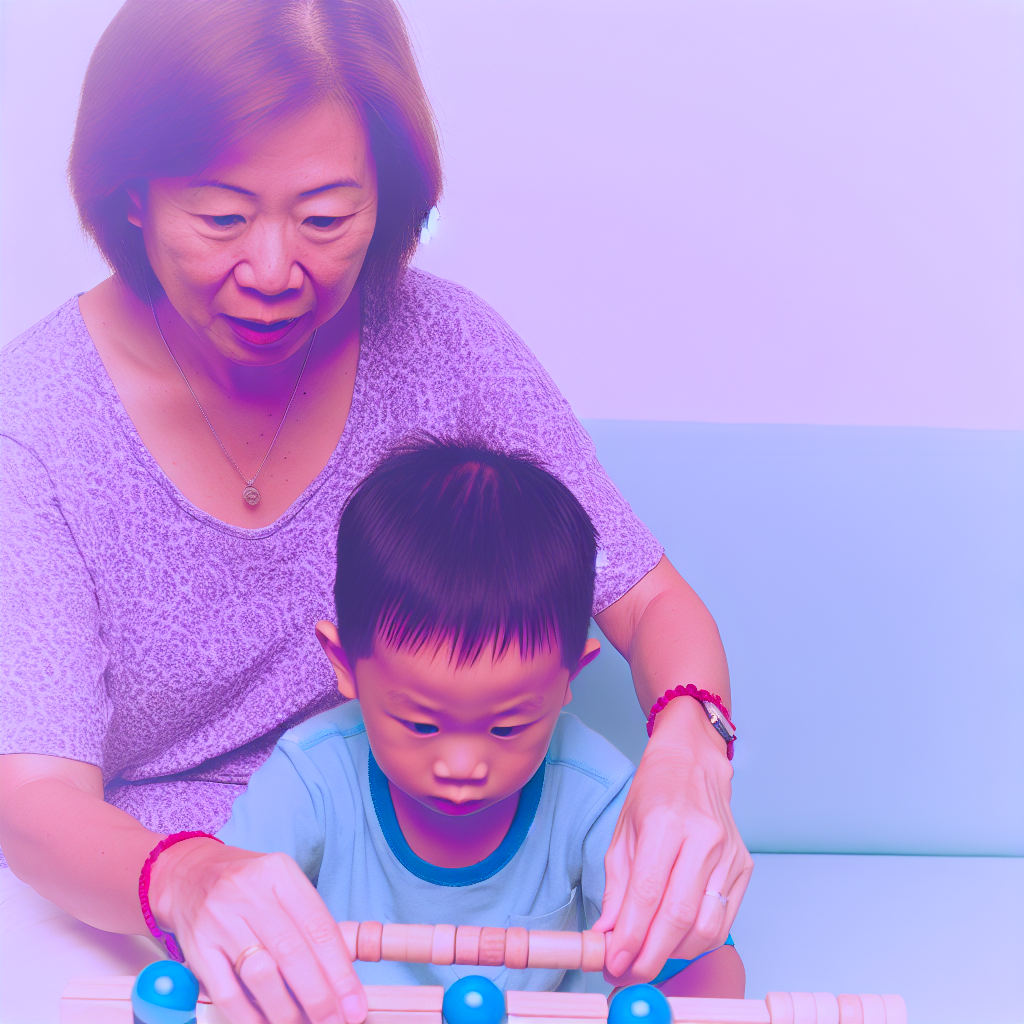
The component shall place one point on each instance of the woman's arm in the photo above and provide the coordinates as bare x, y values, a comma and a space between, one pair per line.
675, 837
85, 855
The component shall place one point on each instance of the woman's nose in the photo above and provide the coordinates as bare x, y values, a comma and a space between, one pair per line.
268, 268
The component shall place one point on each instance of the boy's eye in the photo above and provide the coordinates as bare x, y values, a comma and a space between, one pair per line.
507, 730
424, 727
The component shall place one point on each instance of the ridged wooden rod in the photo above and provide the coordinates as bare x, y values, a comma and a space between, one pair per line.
473, 946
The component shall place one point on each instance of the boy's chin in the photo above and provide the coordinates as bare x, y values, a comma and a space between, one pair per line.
452, 809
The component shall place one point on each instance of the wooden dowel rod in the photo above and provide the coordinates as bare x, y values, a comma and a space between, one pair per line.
471, 945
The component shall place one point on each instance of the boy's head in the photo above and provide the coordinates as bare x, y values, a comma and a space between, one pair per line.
464, 591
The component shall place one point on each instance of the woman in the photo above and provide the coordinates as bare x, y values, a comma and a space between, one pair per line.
177, 444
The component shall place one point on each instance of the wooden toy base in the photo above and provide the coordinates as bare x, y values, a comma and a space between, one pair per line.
108, 1001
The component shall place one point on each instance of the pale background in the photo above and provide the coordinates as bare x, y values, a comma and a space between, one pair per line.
773, 253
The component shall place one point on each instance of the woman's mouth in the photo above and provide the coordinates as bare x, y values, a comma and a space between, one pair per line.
256, 332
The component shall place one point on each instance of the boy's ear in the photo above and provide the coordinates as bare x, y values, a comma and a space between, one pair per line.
591, 649
330, 641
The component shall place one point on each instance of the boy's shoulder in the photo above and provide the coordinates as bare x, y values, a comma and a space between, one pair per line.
340, 723
584, 753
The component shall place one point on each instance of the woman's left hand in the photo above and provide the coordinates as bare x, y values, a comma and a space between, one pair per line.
675, 841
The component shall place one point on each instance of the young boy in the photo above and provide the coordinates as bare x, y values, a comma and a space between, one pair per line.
451, 787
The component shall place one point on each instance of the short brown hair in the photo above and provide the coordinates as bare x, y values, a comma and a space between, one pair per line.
173, 83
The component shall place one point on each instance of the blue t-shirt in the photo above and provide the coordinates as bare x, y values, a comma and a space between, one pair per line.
322, 799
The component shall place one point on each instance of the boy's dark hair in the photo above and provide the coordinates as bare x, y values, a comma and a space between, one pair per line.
452, 542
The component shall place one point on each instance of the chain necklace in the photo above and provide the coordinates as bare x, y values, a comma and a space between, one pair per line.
249, 494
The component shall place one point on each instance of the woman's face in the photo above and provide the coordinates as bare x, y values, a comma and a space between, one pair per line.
267, 242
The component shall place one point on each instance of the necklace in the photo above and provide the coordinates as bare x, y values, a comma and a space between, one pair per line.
250, 494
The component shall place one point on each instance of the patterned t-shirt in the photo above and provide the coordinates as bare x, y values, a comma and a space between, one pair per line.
142, 635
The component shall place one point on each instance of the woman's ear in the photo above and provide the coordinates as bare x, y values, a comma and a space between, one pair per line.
330, 641
134, 207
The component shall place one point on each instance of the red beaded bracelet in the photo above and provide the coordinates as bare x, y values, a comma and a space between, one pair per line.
701, 695
167, 938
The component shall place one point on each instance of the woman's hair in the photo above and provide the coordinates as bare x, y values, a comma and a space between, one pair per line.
455, 544
174, 83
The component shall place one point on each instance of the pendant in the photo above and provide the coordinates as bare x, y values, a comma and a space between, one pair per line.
251, 495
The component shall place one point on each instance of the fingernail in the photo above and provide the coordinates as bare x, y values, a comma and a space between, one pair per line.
620, 962
353, 1007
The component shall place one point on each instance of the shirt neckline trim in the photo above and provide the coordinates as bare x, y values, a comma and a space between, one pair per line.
526, 811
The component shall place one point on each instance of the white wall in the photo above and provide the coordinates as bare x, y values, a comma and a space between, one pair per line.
713, 210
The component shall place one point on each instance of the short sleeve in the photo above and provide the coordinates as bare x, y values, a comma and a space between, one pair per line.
595, 846
281, 811
509, 395
53, 697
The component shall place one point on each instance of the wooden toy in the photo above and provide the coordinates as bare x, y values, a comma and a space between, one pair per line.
472, 999
108, 1001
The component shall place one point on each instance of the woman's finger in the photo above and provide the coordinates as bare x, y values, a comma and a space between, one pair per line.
616, 879
259, 974
223, 986
325, 941
655, 855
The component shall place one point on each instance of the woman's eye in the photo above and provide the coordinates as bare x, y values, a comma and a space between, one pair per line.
323, 222
424, 727
228, 220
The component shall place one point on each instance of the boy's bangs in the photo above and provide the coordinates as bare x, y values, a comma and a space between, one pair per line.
458, 545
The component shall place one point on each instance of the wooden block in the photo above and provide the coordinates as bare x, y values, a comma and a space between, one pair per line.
826, 1007
850, 1009
560, 950
492, 947
895, 1010
117, 986
96, 1011
393, 941
516, 1019
567, 1005
780, 1007
805, 1010
718, 1011
349, 931
442, 946
593, 950
467, 945
872, 1009
405, 998
401, 1017
368, 940
517, 948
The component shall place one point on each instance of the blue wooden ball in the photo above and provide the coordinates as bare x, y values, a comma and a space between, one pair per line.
474, 1000
165, 993
640, 1004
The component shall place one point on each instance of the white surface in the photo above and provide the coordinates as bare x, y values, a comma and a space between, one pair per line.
718, 210
946, 933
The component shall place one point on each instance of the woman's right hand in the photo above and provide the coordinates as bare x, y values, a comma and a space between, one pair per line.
220, 901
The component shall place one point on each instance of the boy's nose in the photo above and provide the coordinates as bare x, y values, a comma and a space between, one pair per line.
443, 771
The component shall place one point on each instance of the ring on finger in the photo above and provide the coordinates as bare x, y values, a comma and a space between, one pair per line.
715, 894
244, 955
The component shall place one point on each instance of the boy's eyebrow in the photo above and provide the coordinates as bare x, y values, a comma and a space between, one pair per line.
403, 698
530, 704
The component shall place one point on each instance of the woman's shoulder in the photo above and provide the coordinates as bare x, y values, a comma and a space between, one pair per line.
48, 376
440, 313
